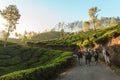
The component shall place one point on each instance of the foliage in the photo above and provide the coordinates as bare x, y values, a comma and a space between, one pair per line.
11, 15
113, 22
22, 62
46, 36
86, 26
93, 15
26, 36
84, 39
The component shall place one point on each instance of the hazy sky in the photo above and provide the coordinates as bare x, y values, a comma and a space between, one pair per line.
38, 15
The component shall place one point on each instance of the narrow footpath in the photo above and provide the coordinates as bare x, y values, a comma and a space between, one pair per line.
88, 72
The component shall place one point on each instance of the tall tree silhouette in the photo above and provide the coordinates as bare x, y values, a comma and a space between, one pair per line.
61, 26
93, 15
113, 21
11, 15
86, 26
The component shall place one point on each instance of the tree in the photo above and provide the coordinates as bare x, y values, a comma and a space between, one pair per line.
53, 29
80, 25
18, 35
3, 34
93, 15
25, 37
71, 26
103, 21
107, 21
98, 24
61, 26
113, 22
11, 15
86, 26
62, 33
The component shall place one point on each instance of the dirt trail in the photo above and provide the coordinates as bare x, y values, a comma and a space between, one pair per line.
88, 72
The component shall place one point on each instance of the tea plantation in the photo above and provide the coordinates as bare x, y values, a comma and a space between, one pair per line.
27, 63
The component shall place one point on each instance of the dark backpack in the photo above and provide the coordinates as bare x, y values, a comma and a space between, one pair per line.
107, 53
79, 54
95, 53
89, 55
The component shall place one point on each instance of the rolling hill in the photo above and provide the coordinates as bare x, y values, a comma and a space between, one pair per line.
27, 63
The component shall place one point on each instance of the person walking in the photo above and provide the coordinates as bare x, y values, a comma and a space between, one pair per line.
87, 57
91, 54
95, 55
80, 56
106, 56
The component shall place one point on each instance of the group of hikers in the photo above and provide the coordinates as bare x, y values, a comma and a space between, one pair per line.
93, 54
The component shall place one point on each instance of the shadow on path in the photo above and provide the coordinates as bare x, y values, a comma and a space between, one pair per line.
88, 72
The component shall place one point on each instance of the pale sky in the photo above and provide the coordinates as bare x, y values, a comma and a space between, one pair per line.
38, 15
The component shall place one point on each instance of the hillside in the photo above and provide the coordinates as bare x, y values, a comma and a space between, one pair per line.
84, 39
46, 36
23, 62
33, 63
107, 36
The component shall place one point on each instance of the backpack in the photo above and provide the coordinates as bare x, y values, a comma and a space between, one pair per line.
107, 53
95, 53
78, 54
88, 54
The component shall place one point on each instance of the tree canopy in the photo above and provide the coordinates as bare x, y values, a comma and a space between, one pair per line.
11, 15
